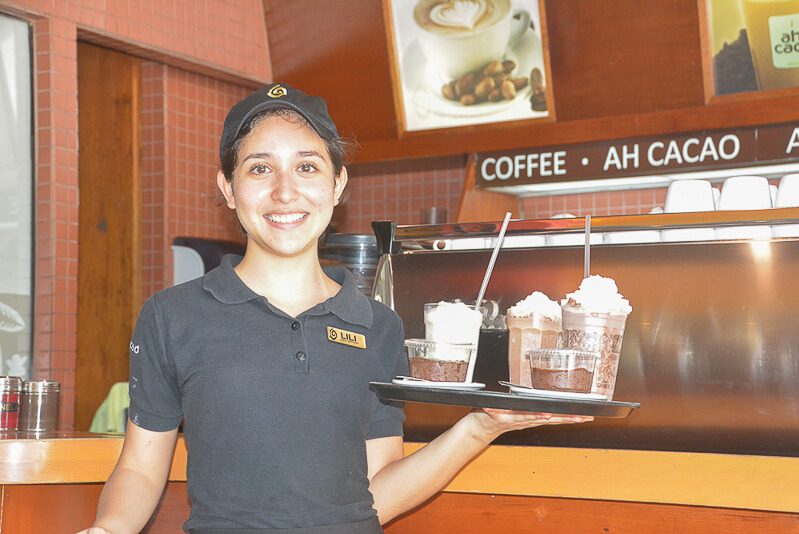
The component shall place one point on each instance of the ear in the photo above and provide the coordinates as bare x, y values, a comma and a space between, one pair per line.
340, 184
226, 188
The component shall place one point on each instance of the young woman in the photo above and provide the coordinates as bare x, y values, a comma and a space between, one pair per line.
282, 431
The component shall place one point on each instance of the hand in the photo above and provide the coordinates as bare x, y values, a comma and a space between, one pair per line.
494, 422
94, 530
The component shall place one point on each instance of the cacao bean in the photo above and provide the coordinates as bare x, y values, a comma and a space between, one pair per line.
484, 87
448, 91
508, 90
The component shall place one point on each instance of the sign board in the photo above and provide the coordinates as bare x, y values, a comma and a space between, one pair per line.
639, 157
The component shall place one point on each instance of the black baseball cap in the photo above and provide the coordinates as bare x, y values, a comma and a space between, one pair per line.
278, 95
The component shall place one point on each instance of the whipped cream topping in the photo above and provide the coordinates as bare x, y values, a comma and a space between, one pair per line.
536, 302
453, 322
458, 13
598, 293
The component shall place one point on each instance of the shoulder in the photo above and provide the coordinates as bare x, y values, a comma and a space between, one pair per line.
382, 314
180, 296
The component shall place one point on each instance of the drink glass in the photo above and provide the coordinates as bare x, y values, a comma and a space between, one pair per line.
596, 331
525, 333
562, 369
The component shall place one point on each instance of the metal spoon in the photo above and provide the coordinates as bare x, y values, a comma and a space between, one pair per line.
512, 385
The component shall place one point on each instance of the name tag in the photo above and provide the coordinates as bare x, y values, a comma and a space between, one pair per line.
345, 337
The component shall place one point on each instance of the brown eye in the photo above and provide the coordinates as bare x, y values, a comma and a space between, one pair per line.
307, 167
259, 168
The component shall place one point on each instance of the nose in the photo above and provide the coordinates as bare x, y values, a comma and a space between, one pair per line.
285, 187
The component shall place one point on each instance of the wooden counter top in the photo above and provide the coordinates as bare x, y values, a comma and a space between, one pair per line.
720, 480
67, 457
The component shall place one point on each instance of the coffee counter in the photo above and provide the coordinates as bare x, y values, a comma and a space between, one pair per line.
63, 473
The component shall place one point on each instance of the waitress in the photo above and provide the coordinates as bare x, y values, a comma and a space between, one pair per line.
267, 359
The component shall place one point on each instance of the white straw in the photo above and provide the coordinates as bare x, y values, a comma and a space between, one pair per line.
500, 238
587, 254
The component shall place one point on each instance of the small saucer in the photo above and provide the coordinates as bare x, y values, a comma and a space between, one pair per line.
532, 392
432, 384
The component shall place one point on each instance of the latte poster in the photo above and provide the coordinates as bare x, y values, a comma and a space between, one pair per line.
466, 62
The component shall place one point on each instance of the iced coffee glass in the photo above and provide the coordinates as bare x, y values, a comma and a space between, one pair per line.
447, 354
562, 369
593, 331
525, 333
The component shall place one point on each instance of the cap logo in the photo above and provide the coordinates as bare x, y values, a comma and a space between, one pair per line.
276, 91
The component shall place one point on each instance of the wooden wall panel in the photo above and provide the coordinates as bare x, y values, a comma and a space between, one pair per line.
338, 50
617, 57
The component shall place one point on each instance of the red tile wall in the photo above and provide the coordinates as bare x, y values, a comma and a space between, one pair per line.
629, 202
183, 111
399, 191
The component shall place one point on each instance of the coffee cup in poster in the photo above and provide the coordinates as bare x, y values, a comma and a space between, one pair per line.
459, 36
772, 29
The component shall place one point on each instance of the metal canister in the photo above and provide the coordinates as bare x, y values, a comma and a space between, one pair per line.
357, 253
39, 411
10, 390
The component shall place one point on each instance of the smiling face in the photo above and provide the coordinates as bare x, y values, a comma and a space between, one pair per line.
283, 187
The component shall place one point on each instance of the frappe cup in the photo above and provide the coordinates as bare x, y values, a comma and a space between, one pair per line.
526, 333
593, 331
452, 330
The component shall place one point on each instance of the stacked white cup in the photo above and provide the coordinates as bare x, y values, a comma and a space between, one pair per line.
787, 197
684, 196
745, 193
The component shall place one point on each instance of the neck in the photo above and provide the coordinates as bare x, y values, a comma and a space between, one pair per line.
293, 284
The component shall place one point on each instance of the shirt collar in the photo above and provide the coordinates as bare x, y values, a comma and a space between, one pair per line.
348, 304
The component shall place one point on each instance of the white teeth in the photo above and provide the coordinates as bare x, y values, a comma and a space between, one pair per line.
285, 218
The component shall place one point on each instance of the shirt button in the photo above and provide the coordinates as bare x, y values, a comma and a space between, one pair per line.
295, 325
300, 356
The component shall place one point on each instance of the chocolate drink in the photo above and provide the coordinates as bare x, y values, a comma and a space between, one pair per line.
576, 380
535, 331
596, 332
438, 370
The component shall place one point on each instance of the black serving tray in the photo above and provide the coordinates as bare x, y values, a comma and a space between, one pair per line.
506, 401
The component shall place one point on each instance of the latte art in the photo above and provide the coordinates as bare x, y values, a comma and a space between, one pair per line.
459, 17
458, 13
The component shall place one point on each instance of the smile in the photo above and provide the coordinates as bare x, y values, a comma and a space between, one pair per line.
285, 218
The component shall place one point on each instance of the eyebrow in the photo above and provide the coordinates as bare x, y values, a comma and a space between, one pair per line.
301, 153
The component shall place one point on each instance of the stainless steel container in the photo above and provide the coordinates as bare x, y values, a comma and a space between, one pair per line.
39, 411
357, 253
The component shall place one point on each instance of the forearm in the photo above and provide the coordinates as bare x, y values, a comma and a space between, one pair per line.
409, 482
127, 501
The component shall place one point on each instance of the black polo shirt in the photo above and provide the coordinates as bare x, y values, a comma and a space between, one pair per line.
275, 414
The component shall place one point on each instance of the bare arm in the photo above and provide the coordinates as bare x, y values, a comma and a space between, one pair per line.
399, 483
135, 486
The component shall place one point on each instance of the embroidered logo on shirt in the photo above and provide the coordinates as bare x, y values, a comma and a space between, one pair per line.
345, 337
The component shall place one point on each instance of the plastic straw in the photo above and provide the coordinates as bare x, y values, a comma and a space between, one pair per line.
587, 254
500, 238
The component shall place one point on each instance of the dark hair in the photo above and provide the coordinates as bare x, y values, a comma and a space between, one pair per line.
338, 149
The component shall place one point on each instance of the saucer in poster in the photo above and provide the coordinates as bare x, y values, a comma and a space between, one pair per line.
423, 85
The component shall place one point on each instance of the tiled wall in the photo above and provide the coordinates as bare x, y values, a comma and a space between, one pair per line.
204, 36
630, 202
182, 113
401, 190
